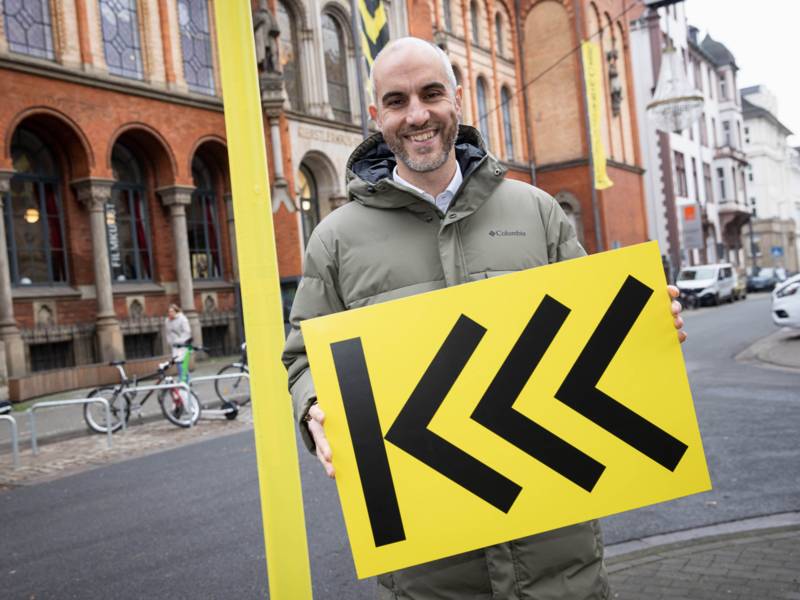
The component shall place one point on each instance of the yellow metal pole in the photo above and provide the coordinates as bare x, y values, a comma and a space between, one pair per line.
276, 451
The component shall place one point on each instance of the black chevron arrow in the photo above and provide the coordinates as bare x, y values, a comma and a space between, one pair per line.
410, 430
579, 389
495, 411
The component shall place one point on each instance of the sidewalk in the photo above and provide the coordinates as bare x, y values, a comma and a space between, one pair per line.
752, 559
63, 423
780, 349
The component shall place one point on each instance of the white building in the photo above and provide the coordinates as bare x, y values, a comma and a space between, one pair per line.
772, 186
701, 167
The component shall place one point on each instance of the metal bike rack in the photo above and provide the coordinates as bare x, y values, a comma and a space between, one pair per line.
217, 411
14, 438
52, 403
162, 386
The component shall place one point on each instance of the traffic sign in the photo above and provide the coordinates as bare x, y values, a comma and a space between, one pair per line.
506, 407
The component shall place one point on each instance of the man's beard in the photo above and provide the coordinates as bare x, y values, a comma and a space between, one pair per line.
424, 164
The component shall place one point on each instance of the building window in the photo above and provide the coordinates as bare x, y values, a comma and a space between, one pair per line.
474, 22
733, 179
709, 188
703, 130
127, 222
739, 131
695, 180
723, 87
726, 133
33, 217
680, 175
309, 201
498, 34
141, 345
28, 28
336, 68
290, 56
121, 38
448, 16
202, 225
53, 355
508, 131
710, 83
198, 67
483, 113
698, 77
714, 131
721, 179
750, 175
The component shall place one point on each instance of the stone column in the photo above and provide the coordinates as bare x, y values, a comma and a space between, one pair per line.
272, 101
94, 194
177, 198
9, 332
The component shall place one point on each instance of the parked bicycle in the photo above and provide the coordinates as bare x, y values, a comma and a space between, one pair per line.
234, 389
179, 406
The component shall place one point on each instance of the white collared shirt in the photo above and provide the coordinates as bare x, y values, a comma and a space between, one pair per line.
443, 200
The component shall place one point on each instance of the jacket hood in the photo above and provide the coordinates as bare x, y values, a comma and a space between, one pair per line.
371, 164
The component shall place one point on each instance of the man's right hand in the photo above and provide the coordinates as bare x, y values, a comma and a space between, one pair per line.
315, 427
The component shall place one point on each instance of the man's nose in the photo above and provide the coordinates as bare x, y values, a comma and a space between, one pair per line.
418, 113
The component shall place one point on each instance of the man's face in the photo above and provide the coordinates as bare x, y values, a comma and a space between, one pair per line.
171, 313
417, 110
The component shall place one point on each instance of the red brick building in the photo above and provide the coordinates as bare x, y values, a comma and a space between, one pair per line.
113, 166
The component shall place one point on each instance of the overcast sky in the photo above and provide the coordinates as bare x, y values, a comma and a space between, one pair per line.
763, 36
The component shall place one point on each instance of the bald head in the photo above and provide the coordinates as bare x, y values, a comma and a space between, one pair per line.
395, 50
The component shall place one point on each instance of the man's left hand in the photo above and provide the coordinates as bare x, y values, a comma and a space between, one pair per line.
676, 312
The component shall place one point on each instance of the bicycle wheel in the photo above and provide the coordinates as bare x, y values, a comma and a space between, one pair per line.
233, 389
95, 414
179, 407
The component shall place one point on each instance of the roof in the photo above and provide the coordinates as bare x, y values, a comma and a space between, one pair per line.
753, 111
718, 52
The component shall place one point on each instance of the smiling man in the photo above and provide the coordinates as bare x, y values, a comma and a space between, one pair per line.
427, 203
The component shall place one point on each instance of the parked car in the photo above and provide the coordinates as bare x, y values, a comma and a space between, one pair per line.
786, 303
706, 284
740, 283
765, 279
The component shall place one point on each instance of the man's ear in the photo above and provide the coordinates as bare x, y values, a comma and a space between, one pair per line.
373, 113
459, 95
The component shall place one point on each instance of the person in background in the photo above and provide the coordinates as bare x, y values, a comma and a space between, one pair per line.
179, 333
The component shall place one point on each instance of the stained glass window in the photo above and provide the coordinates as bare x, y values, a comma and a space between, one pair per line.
202, 223
28, 28
448, 17
483, 116
33, 216
121, 38
498, 34
473, 17
290, 56
309, 201
336, 68
127, 220
198, 66
508, 132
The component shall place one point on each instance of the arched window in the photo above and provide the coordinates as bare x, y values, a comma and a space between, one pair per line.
34, 220
336, 68
474, 22
127, 220
448, 17
309, 201
28, 28
121, 38
198, 68
483, 113
498, 34
508, 130
290, 56
202, 224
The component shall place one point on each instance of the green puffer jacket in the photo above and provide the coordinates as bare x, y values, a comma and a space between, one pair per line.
389, 243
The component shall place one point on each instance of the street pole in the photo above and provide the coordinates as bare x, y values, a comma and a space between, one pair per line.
598, 234
354, 25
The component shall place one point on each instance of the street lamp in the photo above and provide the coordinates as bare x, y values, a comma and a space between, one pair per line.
676, 104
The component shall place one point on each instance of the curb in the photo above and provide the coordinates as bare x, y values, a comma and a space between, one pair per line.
756, 353
632, 553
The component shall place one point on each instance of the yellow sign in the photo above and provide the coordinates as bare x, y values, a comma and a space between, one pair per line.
493, 410
592, 73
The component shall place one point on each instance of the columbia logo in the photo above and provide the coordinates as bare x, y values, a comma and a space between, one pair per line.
507, 233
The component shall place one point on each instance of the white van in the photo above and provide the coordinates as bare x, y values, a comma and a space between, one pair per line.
707, 284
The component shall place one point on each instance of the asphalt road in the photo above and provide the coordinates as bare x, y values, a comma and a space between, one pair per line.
186, 523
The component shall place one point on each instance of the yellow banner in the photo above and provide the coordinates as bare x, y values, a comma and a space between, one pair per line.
276, 449
489, 411
593, 75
